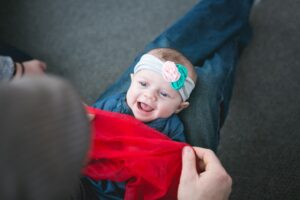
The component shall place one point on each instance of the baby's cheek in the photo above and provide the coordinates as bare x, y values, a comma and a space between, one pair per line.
167, 110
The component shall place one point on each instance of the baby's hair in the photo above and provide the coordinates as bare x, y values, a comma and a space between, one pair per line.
165, 54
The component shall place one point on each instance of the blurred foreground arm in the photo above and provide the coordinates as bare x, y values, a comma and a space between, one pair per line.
44, 138
212, 183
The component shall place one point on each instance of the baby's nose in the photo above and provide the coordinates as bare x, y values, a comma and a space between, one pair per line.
150, 95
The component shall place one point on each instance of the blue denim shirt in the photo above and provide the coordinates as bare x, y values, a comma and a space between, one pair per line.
171, 126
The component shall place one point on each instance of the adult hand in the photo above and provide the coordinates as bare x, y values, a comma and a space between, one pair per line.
31, 67
211, 183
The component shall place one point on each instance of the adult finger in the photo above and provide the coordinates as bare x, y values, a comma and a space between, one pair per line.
208, 157
91, 116
189, 170
41, 64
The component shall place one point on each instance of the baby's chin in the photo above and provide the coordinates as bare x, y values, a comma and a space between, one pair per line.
143, 119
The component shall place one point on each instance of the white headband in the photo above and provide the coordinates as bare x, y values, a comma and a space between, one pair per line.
186, 84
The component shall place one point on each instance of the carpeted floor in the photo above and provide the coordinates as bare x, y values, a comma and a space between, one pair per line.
92, 42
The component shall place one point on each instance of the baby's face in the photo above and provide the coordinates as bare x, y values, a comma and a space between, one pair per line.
150, 96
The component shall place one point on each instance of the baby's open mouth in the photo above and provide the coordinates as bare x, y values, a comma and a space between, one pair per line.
144, 107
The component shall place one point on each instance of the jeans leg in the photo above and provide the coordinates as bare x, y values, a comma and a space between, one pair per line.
210, 99
205, 28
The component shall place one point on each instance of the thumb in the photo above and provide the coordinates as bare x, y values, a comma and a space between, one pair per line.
189, 170
91, 116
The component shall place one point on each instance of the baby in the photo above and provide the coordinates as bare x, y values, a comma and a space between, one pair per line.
161, 83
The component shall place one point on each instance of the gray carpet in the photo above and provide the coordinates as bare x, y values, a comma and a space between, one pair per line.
92, 42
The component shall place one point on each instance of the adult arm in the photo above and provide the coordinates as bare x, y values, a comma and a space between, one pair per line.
9, 69
211, 183
41, 156
6, 68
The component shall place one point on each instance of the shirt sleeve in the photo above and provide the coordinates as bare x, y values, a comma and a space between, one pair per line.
108, 103
6, 68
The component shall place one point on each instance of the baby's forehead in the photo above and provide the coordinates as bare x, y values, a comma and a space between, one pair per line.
153, 77
145, 72
149, 74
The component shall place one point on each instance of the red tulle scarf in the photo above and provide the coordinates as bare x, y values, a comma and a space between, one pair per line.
126, 150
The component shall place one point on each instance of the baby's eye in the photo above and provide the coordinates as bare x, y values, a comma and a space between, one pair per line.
143, 83
164, 94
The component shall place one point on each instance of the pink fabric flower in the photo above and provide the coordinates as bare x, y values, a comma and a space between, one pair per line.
170, 72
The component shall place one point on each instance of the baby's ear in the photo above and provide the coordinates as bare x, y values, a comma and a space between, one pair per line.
131, 76
182, 106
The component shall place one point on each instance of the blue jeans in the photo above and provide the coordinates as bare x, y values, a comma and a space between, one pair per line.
211, 35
